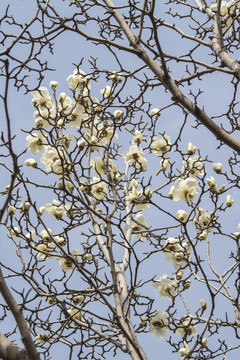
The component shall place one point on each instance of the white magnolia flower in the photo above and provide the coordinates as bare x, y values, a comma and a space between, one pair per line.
116, 78
164, 164
191, 149
30, 235
100, 167
138, 137
107, 91
46, 235
159, 324
77, 113
41, 98
81, 144
185, 350
53, 84
35, 142
155, 111
193, 167
225, 9
79, 81
99, 135
106, 132
139, 198
11, 210
14, 231
78, 299
229, 201
186, 189
182, 215
171, 192
161, 146
186, 328
166, 286
212, 184
24, 207
61, 240
52, 162
42, 338
87, 257
67, 264
99, 188
139, 227
44, 117
75, 313
135, 155
203, 221
45, 250
56, 209
118, 114
177, 252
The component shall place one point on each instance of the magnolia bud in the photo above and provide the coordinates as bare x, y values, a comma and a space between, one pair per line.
138, 137
143, 322
118, 114
15, 231
60, 122
156, 112
41, 210
182, 215
87, 257
53, 84
11, 210
171, 192
187, 284
78, 299
203, 304
217, 167
31, 163
179, 274
191, 149
229, 201
24, 207
222, 188
212, 185
164, 164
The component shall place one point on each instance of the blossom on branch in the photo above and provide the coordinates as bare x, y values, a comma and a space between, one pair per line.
159, 324
186, 189
166, 286
35, 142
177, 252
139, 227
161, 146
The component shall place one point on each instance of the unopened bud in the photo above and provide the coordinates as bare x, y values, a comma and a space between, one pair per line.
87, 257
11, 210
217, 167
203, 304
53, 84
191, 149
31, 163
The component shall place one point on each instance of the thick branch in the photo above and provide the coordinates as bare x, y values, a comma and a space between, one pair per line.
20, 320
9, 351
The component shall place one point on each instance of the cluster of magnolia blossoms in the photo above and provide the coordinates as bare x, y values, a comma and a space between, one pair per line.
81, 112
44, 243
228, 10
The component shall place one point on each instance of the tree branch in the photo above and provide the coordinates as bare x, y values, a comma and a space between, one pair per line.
20, 320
